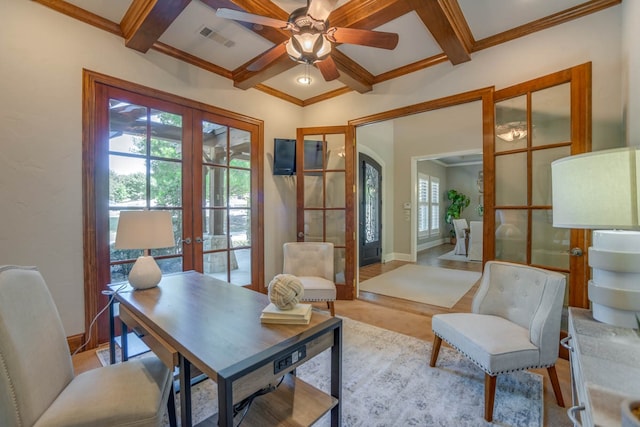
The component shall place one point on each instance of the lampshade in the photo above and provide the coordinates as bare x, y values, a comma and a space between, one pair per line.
144, 230
597, 190
308, 47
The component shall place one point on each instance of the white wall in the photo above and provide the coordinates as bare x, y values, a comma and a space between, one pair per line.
631, 70
43, 54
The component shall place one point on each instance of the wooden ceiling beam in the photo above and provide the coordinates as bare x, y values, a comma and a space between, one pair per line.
446, 26
352, 74
146, 20
368, 14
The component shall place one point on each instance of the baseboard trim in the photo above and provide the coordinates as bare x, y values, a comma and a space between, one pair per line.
75, 342
431, 244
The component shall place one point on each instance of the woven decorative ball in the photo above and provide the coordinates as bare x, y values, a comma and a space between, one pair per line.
285, 291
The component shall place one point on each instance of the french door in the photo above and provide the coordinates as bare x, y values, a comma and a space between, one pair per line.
326, 196
537, 122
145, 149
370, 212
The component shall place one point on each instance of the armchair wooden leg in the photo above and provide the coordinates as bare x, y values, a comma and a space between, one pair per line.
331, 308
553, 376
437, 341
489, 396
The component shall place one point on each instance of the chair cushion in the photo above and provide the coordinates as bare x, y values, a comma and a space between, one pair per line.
98, 398
318, 289
495, 344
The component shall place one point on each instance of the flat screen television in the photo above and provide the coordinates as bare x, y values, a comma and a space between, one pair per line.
284, 156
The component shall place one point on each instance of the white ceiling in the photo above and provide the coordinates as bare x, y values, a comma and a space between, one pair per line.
233, 45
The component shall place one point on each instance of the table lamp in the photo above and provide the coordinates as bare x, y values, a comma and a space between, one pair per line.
144, 230
600, 191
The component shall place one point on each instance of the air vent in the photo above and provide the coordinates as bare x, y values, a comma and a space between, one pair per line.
212, 34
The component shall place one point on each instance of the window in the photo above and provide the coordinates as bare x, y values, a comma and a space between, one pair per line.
428, 205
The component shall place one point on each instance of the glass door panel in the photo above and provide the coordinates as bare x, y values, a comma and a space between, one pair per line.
511, 124
551, 115
335, 187
511, 179
549, 245
335, 152
511, 235
541, 173
226, 203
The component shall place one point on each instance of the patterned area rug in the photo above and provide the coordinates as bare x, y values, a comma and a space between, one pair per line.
387, 381
424, 284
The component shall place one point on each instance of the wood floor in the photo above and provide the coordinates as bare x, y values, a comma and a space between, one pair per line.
409, 318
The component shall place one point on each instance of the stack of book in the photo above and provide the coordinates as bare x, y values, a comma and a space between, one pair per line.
299, 315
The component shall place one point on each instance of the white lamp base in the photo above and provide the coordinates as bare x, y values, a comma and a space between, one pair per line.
145, 273
614, 291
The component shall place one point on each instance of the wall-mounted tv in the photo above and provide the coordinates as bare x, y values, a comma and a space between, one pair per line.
284, 156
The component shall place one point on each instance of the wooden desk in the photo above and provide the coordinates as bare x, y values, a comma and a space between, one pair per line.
191, 318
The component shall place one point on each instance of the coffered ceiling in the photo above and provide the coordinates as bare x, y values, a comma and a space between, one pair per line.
430, 32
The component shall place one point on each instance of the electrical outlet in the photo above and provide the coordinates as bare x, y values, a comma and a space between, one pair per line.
289, 359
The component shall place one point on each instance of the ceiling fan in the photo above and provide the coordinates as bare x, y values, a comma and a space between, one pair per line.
311, 37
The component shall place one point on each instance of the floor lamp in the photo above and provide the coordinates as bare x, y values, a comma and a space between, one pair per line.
600, 191
144, 230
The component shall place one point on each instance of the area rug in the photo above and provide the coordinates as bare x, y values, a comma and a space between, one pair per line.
451, 256
387, 381
428, 285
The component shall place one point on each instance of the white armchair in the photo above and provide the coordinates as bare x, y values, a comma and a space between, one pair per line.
312, 263
514, 325
460, 227
37, 385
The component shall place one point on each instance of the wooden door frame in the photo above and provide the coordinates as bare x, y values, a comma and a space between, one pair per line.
347, 291
580, 79
95, 272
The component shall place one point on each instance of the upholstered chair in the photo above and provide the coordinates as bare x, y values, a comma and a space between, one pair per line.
312, 263
37, 383
514, 325
460, 227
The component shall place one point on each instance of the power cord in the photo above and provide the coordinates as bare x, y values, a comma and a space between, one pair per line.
244, 405
112, 295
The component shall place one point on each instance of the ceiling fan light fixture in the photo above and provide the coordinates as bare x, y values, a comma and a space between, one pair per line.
304, 80
307, 47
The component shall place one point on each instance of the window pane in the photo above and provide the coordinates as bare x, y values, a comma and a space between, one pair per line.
313, 154
511, 124
127, 181
120, 272
240, 227
511, 179
127, 127
170, 265
239, 187
551, 115
335, 189
541, 173
313, 191
214, 229
549, 246
166, 183
215, 264
240, 152
241, 274
511, 235
339, 262
335, 151
313, 226
336, 227
166, 135
214, 186
214, 143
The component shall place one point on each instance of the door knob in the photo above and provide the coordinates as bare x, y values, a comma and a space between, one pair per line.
199, 240
575, 252
186, 241
301, 235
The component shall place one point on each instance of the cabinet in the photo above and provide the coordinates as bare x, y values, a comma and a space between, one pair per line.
605, 368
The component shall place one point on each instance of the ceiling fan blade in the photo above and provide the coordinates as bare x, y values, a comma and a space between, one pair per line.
320, 9
268, 57
237, 15
370, 38
328, 69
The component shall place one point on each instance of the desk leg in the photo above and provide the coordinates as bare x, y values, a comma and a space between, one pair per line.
225, 403
112, 334
124, 342
185, 392
336, 376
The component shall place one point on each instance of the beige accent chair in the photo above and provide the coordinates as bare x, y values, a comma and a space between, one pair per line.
460, 226
312, 263
37, 384
514, 325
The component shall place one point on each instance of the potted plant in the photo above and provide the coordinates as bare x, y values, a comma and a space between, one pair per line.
459, 201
